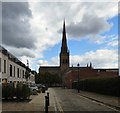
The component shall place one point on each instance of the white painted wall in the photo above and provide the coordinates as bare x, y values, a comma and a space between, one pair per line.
13, 78
4, 74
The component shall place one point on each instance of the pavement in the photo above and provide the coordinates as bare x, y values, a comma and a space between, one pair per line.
37, 104
104, 99
38, 101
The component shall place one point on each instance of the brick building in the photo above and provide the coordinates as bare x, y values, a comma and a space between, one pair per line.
87, 72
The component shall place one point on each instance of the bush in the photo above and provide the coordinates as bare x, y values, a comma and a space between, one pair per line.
26, 91
108, 86
20, 92
8, 91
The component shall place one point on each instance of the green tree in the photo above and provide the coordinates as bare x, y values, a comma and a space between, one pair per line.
48, 79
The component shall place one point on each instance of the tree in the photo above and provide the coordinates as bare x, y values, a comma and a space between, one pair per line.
37, 78
27, 73
48, 79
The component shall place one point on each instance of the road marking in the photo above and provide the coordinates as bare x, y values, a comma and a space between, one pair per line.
57, 105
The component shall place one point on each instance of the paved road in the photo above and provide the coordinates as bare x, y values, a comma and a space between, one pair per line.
71, 101
61, 101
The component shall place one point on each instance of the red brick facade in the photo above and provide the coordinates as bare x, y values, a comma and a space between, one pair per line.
87, 72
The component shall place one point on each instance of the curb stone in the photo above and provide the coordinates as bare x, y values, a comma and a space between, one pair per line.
116, 107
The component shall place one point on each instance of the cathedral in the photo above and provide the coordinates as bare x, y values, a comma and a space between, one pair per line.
70, 74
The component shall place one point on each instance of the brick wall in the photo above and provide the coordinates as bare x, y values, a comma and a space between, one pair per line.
84, 73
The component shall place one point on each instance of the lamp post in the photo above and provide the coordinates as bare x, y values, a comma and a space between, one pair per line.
78, 87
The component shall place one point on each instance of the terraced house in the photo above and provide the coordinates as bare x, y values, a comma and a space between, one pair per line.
12, 69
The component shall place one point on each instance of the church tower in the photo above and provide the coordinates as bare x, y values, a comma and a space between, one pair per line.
64, 54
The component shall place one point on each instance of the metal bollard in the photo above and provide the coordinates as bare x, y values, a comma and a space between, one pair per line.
46, 104
48, 98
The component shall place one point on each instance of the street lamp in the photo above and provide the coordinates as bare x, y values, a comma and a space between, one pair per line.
78, 87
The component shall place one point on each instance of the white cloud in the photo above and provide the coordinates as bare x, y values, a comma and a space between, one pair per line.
113, 40
108, 41
47, 19
19, 52
24, 60
43, 27
98, 39
102, 9
55, 61
87, 22
102, 58
42, 63
90, 25
16, 30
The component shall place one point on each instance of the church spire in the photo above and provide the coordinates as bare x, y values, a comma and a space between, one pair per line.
64, 54
64, 48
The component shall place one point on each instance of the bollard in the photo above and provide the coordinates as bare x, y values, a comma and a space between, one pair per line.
48, 98
46, 104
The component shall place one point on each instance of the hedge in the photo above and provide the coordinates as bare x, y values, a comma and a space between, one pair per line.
108, 86
20, 92
8, 91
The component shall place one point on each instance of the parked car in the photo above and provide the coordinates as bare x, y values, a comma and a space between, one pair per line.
39, 86
42, 87
34, 89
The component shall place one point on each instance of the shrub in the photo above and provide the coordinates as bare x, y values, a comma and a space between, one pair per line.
26, 91
108, 86
8, 91
20, 92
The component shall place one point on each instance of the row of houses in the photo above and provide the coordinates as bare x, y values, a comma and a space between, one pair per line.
12, 70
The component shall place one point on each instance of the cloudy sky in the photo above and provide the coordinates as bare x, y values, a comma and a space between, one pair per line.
33, 31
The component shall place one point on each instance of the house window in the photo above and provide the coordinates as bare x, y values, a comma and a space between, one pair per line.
18, 72
23, 74
10, 70
0, 64
4, 66
14, 71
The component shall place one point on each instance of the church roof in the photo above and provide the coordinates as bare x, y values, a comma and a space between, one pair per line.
50, 67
